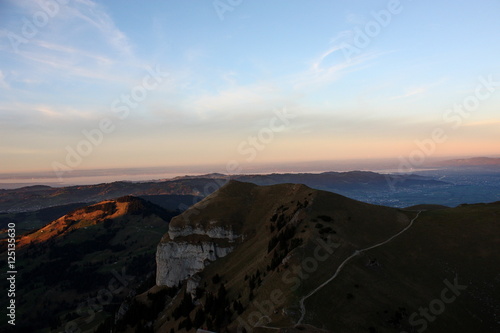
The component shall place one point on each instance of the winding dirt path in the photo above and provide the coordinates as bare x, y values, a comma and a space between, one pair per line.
341, 266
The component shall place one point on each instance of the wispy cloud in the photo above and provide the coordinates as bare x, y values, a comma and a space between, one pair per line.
69, 51
63, 44
332, 63
317, 63
35, 112
320, 73
324, 69
419, 90
3, 83
235, 102
68, 16
69, 67
95, 15
47, 111
409, 93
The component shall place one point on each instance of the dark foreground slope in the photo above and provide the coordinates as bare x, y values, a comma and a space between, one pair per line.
440, 276
74, 272
315, 261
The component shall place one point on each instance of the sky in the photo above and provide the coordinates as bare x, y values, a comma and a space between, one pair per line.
118, 84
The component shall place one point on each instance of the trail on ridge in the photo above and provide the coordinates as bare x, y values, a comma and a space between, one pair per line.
341, 266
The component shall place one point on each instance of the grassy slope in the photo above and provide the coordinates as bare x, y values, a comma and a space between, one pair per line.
458, 242
225, 205
356, 224
376, 291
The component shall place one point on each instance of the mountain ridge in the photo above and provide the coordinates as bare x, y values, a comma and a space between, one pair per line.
286, 215
72, 260
101, 212
277, 256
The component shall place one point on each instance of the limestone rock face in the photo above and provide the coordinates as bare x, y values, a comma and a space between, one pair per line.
212, 232
206, 231
179, 260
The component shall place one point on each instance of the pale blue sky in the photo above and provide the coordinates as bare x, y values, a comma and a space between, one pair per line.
229, 71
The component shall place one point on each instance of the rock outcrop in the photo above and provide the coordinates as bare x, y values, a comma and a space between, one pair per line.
201, 235
183, 256
212, 232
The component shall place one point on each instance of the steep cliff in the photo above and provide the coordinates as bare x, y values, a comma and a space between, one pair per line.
193, 240
180, 258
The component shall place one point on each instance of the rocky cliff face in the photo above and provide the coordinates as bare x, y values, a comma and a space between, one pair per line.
181, 258
186, 250
209, 230
212, 232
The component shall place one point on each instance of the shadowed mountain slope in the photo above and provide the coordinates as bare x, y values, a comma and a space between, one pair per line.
284, 244
75, 271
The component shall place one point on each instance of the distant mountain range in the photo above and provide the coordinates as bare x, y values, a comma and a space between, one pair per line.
38, 197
